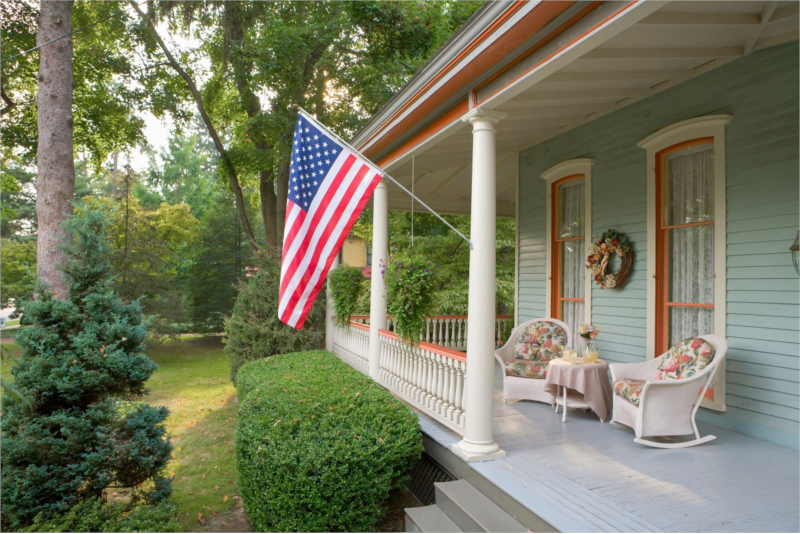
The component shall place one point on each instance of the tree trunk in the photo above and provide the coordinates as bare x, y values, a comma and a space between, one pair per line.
282, 197
114, 184
55, 181
268, 209
252, 105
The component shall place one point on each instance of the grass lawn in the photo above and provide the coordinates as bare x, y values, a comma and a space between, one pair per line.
192, 381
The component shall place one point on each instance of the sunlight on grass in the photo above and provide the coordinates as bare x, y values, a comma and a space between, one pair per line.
192, 381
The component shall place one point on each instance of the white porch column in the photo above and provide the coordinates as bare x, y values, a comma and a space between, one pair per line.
478, 443
329, 326
380, 253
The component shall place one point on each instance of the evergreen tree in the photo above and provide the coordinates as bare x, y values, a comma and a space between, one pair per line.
82, 368
253, 331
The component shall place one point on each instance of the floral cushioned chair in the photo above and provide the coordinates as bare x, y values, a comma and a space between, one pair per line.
660, 397
526, 355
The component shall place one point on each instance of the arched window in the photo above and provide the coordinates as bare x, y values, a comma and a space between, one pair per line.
569, 230
686, 236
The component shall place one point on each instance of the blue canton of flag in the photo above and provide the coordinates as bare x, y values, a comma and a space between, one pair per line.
313, 154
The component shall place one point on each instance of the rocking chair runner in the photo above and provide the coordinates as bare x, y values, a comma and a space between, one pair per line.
650, 400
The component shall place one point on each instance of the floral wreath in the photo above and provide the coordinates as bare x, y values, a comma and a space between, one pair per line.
611, 242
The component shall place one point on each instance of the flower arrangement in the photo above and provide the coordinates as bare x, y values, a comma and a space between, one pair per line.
345, 285
410, 285
611, 242
589, 331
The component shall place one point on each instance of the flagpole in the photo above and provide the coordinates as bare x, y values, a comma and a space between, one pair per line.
384, 175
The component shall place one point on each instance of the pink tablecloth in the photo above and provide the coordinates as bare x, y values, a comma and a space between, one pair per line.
591, 379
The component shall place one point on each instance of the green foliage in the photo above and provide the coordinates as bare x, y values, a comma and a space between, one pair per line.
96, 515
253, 331
18, 260
82, 364
438, 244
345, 284
182, 172
319, 446
17, 198
149, 253
217, 262
113, 88
410, 286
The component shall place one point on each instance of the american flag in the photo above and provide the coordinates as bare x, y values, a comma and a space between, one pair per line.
329, 185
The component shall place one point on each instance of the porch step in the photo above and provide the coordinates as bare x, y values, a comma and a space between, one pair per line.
429, 519
460, 507
473, 511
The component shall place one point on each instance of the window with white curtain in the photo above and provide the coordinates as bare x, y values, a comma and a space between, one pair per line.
685, 305
568, 251
686, 235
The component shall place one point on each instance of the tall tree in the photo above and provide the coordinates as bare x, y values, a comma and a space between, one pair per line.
212, 131
338, 60
55, 181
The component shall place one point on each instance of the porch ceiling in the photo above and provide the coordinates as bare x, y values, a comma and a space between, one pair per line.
673, 43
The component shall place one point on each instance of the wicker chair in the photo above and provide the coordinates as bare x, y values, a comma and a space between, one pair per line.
660, 397
525, 364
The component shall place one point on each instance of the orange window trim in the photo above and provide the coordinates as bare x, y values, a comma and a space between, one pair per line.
555, 251
662, 252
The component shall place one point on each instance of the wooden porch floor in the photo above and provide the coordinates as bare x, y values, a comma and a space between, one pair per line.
587, 476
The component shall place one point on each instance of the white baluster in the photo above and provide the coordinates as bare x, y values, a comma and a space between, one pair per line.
439, 383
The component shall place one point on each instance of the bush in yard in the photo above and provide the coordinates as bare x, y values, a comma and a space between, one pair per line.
253, 331
345, 284
319, 446
96, 515
82, 363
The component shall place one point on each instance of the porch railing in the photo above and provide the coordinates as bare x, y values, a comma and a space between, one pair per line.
449, 331
429, 377
351, 344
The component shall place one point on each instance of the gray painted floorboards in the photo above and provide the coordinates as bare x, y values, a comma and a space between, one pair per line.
588, 476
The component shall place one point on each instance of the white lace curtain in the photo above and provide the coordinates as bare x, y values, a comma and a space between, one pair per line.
571, 224
689, 199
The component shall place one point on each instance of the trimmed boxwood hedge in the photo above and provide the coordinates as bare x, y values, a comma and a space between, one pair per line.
319, 446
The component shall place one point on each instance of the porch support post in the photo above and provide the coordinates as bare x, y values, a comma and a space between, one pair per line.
478, 443
329, 326
380, 255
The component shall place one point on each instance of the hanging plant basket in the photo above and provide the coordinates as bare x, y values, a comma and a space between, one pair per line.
345, 285
410, 286
611, 242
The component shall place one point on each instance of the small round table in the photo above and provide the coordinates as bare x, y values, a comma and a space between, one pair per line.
580, 385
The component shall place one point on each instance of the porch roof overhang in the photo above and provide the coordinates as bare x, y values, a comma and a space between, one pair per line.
551, 66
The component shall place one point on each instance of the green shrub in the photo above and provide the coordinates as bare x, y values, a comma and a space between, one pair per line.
96, 515
319, 446
345, 284
253, 331
76, 433
410, 289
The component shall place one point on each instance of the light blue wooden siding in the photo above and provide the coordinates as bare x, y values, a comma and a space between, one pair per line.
763, 215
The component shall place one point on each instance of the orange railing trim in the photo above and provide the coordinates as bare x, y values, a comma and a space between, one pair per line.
359, 325
430, 347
